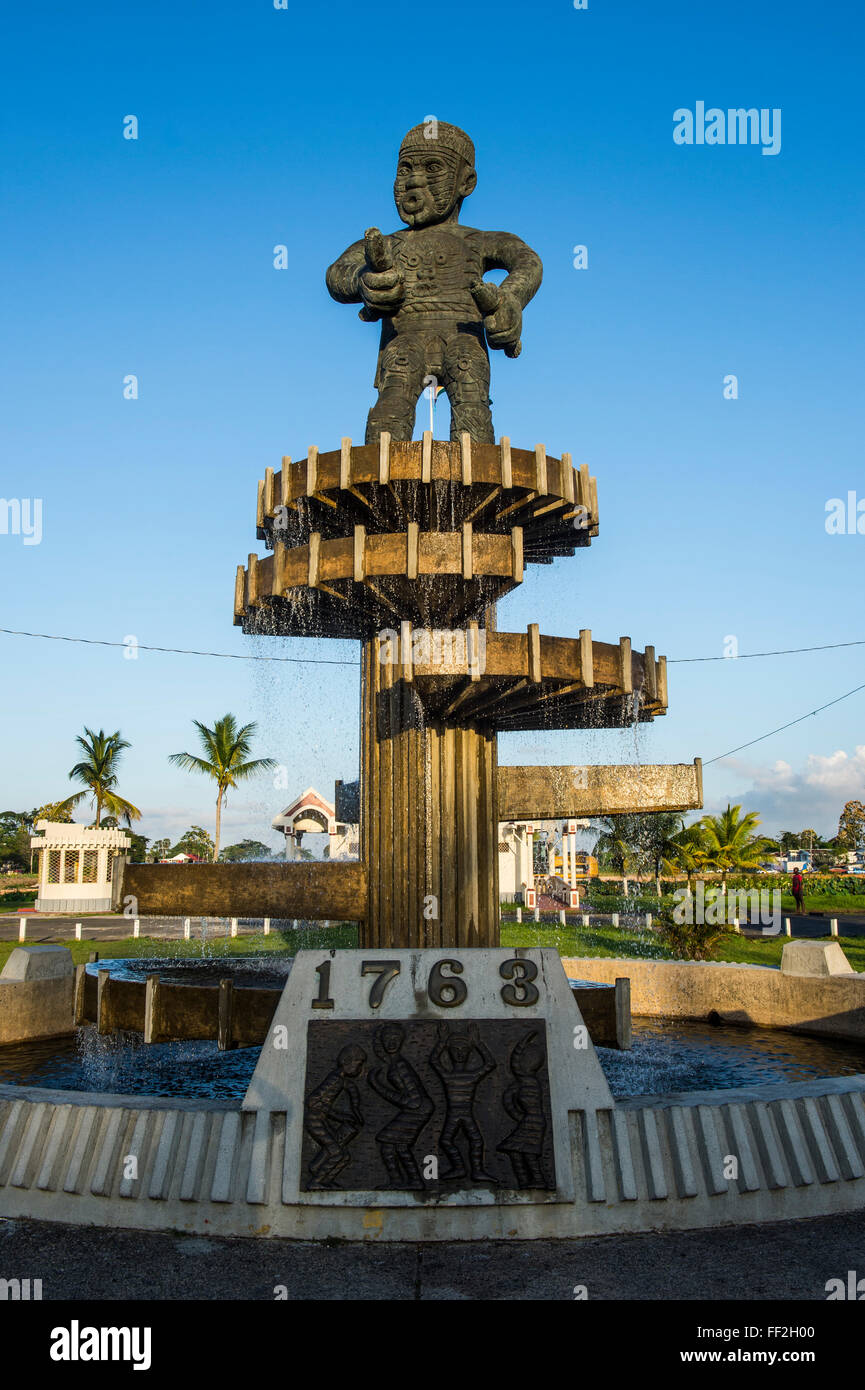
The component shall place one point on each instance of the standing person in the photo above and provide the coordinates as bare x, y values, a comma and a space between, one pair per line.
798, 887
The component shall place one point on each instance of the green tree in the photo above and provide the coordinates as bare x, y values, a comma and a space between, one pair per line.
60, 812
195, 841
851, 826
15, 839
226, 759
689, 852
640, 843
245, 851
730, 841
98, 773
160, 849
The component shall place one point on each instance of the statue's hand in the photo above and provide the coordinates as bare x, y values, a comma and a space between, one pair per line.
504, 327
382, 291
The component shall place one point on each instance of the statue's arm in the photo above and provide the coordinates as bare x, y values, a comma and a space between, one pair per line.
504, 251
343, 277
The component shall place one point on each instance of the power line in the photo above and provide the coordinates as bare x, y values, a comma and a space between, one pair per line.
182, 651
325, 661
330, 661
784, 651
819, 710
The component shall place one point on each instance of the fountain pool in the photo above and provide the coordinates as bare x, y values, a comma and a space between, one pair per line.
667, 1056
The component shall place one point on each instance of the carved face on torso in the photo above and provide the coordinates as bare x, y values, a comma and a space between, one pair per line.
438, 265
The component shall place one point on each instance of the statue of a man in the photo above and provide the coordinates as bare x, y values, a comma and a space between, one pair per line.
425, 284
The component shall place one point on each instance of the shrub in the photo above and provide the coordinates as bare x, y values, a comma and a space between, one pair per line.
689, 941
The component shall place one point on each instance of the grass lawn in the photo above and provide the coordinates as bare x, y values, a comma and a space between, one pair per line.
597, 940
340, 936
11, 902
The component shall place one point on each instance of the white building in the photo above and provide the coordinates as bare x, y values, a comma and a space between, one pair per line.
78, 867
516, 855
311, 814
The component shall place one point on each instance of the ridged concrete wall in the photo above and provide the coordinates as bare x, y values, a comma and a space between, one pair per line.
800, 1151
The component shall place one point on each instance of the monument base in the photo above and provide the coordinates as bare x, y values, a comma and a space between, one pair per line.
415, 1077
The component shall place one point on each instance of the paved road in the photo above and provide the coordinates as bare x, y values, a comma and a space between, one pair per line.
115, 928
789, 1260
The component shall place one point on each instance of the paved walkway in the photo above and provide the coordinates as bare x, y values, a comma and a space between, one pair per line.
789, 1260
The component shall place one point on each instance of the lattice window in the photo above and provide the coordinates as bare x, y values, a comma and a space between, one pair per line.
91, 866
53, 865
70, 868
110, 870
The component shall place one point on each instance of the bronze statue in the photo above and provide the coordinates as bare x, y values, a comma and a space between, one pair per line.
425, 284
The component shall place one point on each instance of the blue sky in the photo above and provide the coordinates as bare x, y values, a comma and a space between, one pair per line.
260, 126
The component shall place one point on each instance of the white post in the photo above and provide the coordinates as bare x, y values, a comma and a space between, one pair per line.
787, 928
267, 926
77, 931
136, 927
833, 927
187, 928
519, 914
234, 926
648, 919
565, 871
22, 928
530, 866
736, 928
615, 919
562, 917
585, 919
536, 913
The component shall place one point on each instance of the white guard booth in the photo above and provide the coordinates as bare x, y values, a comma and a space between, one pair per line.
78, 867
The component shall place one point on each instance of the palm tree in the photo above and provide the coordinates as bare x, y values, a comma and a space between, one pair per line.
226, 748
730, 841
98, 772
688, 851
638, 842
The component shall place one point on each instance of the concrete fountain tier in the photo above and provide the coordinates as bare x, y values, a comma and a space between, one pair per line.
407, 546
426, 531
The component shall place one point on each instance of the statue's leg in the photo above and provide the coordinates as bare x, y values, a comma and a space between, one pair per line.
467, 381
402, 372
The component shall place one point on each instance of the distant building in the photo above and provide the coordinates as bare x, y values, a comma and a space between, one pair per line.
800, 859
312, 814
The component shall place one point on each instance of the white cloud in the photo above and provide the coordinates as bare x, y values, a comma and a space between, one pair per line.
792, 799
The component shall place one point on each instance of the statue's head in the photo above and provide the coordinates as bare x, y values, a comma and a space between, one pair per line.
435, 172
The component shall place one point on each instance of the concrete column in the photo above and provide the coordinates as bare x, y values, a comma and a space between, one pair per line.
530, 856
572, 837
429, 826
565, 870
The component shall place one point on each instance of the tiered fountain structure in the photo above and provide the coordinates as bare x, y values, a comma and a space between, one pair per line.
408, 545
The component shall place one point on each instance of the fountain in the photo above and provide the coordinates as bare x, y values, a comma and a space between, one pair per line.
431, 1084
